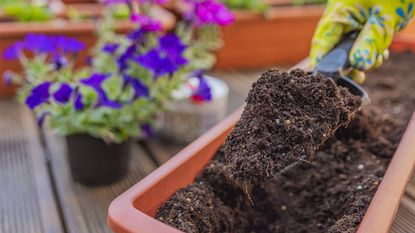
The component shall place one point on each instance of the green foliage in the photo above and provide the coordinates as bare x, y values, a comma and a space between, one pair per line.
254, 5
25, 11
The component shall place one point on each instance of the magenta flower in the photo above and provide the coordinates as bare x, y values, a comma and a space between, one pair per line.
210, 12
146, 23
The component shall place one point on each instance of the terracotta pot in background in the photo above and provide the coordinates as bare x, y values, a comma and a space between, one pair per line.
94, 162
403, 40
134, 210
282, 36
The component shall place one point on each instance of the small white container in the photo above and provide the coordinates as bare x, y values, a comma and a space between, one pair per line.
185, 120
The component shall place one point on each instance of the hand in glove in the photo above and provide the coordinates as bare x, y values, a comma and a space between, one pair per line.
376, 20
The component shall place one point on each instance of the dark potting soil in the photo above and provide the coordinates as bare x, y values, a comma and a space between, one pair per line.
287, 117
329, 194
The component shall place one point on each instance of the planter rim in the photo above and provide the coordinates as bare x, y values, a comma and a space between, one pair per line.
125, 216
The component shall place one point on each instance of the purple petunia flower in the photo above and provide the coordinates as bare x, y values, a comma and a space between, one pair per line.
140, 89
13, 51
136, 35
203, 92
78, 104
122, 60
68, 44
39, 95
44, 44
63, 94
95, 81
40, 43
157, 63
110, 48
167, 58
171, 44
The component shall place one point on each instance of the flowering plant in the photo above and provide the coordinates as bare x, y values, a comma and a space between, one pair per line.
77, 101
154, 57
130, 76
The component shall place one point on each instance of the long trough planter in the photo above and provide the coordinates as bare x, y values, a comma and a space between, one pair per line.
134, 210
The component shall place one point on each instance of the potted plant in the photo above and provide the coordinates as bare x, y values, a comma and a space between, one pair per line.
135, 210
117, 97
97, 111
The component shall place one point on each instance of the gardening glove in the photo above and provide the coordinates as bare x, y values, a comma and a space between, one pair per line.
377, 21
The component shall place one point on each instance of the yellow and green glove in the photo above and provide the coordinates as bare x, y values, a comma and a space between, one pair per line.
377, 21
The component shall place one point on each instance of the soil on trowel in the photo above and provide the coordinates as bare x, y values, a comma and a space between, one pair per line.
287, 117
329, 194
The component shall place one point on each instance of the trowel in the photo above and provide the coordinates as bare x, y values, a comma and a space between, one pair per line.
331, 66
337, 60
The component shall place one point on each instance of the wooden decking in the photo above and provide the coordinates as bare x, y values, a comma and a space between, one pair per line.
37, 194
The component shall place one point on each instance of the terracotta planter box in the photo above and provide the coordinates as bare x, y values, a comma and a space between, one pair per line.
282, 36
403, 41
134, 210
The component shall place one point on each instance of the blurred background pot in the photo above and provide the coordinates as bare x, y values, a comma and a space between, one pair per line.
185, 119
95, 162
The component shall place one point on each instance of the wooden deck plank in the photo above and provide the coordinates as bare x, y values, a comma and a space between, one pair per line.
85, 207
27, 202
405, 218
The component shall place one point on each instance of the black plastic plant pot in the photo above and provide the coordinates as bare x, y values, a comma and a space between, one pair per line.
94, 162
